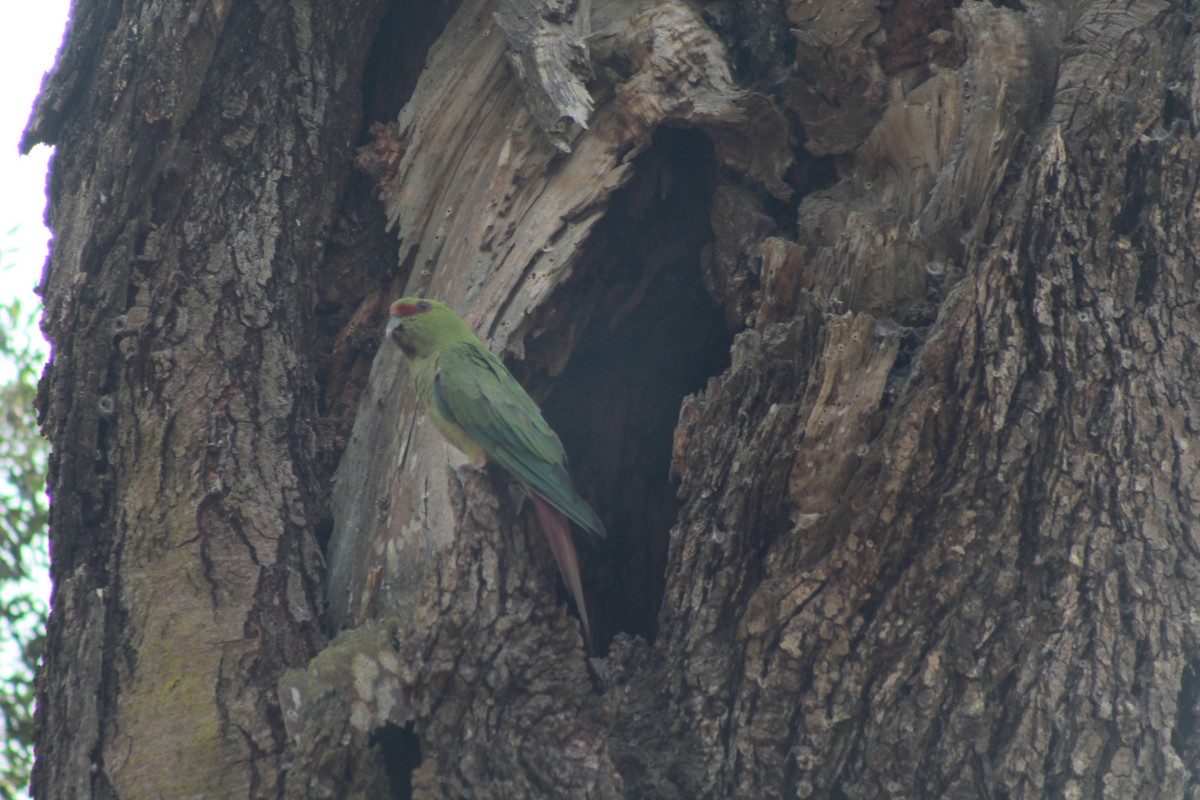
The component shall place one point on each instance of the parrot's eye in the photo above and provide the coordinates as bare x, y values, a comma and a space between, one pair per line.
423, 306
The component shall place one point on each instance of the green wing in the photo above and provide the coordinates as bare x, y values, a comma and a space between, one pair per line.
475, 391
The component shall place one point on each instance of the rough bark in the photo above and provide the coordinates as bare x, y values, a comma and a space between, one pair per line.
900, 295
201, 152
988, 597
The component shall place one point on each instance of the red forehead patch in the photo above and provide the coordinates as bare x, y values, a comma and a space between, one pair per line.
409, 309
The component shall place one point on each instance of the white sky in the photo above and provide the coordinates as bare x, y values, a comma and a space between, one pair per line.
30, 33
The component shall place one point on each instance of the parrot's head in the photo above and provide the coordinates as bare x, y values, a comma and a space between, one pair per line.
419, 326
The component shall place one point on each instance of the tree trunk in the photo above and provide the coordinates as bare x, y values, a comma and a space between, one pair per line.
869, 328
201, 155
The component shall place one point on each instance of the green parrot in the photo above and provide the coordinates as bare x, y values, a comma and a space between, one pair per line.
478, 405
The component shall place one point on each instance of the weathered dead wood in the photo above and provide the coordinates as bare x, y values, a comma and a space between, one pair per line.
550, 54
495, 220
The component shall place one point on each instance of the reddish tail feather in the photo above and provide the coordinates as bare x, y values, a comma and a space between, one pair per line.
558, 531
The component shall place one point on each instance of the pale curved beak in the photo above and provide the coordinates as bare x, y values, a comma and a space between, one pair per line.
393, 323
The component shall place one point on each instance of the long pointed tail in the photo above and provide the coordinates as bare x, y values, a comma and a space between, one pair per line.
558, 531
